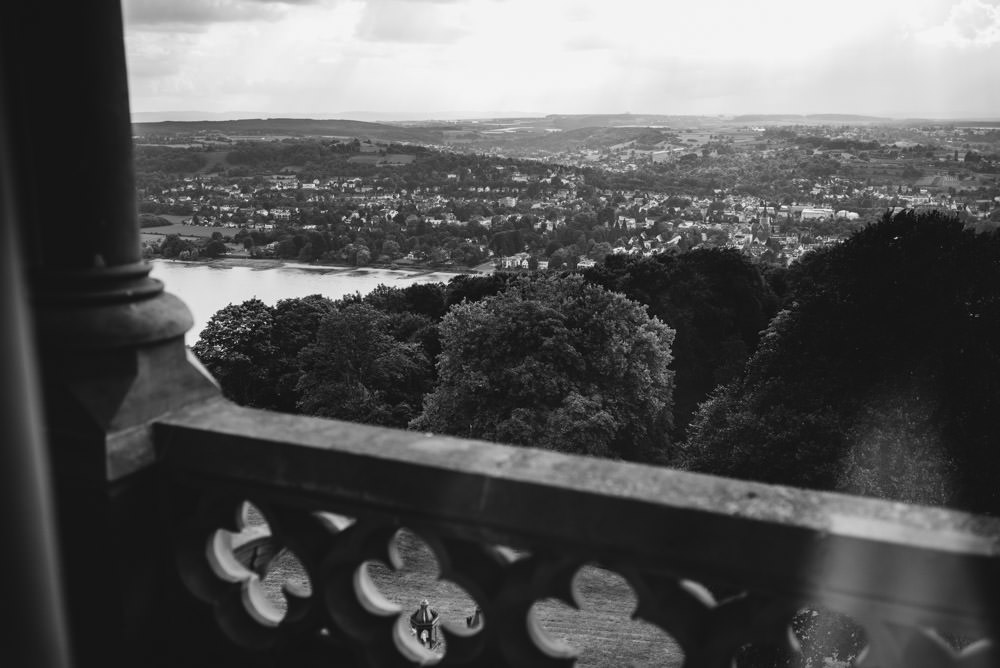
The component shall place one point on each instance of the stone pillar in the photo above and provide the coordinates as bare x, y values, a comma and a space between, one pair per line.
109, 339
35, 633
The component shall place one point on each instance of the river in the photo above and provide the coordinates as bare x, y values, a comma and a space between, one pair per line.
207, 287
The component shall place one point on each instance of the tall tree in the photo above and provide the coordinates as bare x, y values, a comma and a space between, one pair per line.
355, 370
295, 324
882, 376
236, 347
558, 363
716, 300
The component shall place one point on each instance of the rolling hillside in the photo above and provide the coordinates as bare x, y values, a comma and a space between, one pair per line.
294, 127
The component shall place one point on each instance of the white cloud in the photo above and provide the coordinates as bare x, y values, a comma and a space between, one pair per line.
971, 23
408, 21
573, 56
185, 15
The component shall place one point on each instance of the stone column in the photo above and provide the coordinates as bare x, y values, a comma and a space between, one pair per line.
109, 339
35, 634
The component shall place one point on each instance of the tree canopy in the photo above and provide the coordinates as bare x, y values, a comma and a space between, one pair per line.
555, 362
237, 349
881, 377
716, 300
356, 370
252, 349
296, 322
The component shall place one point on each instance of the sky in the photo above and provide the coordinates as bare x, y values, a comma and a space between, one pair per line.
418, 58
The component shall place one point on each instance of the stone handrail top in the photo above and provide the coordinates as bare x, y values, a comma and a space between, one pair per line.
908, 565
308, 440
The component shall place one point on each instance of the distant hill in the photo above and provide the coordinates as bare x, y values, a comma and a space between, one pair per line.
368, 116
590, 137
294, 127
427, 116
810, 118
572, 121
158, 116
978, 124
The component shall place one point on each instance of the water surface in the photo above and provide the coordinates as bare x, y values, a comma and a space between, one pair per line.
208, 287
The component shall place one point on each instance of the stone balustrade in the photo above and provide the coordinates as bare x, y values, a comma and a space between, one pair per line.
718, 564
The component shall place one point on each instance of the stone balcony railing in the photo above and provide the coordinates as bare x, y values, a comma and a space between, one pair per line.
900, 571
127, 472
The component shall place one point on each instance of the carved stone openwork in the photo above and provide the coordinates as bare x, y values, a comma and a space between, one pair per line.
734, 574
225, 556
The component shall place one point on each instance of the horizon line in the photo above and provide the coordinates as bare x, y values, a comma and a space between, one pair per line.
210, 116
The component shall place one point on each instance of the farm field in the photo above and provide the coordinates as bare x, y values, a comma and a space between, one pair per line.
388, 159
938, 182
601, 632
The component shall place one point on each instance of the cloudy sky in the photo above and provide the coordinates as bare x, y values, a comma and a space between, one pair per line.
932, 58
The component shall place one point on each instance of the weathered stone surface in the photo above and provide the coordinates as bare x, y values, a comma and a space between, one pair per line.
878, 561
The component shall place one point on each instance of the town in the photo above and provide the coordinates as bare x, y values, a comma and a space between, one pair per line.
550, 198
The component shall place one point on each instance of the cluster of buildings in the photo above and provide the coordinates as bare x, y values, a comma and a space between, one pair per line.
502, 196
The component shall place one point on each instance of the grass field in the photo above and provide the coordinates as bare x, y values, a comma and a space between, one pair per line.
601, 632
186, 230
388, 159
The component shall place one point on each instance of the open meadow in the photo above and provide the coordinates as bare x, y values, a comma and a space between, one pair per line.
186, 230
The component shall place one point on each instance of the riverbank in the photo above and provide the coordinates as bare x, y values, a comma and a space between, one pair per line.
209, 285
261, 264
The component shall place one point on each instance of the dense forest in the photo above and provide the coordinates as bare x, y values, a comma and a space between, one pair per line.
637, 341
870, 367
880, 375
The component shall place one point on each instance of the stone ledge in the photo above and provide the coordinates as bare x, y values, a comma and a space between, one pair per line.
907, 564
